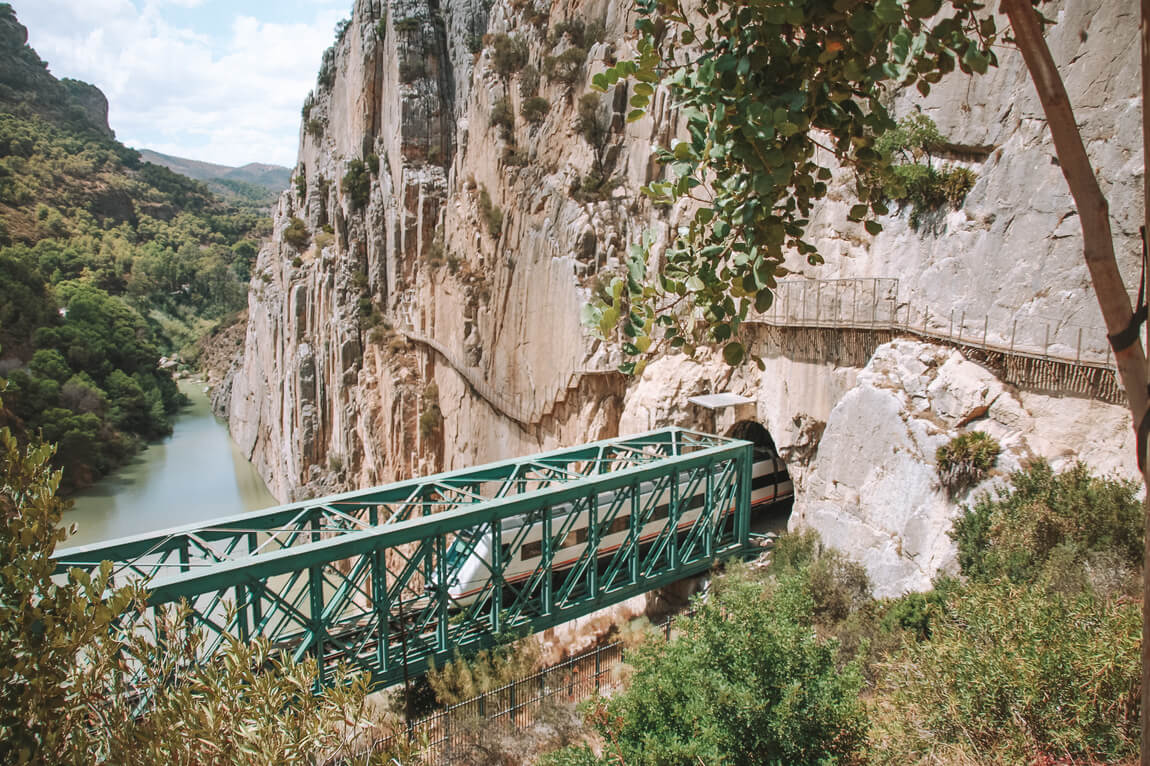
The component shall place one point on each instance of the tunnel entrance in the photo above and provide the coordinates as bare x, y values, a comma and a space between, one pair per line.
772, 490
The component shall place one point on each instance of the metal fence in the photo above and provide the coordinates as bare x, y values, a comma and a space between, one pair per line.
527, 412
873, 303
516, 706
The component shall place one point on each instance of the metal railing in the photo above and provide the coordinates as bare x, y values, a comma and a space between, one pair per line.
527, 413
873, 303
515, 706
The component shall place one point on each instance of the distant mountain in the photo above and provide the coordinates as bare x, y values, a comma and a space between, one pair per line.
228, 181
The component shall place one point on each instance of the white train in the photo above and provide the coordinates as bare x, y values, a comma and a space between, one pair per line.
770, 483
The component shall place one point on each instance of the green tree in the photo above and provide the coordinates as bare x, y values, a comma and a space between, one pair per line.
766, 86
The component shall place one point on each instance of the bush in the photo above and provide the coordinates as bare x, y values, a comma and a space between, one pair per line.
749, 682
63, 686
508, 54
1016, 675
356, 183
567, 67
535, 109
316, 127
503, 116
296, 234
529, 81
965, 460
461, 679
1041, 518
490, 213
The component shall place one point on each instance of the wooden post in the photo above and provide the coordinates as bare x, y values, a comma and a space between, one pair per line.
985, 326
1013, 330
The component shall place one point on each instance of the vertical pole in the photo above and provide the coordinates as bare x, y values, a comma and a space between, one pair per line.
1013, 330
985, 327
593, 544
318, 633
708, 509
1046, 341
382, 609
441, 616
497, 566
548, 561
818, 302
242, 626
633, 535
950, 332
1078, 353
596, 670
961, 325
673, 522
855, 302
743, 506
803, 320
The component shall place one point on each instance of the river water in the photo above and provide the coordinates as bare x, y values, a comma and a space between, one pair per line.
197, 473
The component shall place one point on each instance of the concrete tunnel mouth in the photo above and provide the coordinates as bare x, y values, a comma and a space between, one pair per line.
770, 516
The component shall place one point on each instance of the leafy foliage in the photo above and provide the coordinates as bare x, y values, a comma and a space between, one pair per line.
503, 116
296, 233
490, 213
759, 97
914, 182
965, 460
567, 67
464, 678
1041, 519
749, 682
534, 109
1017, 675
508, 54
63, 688
356, 183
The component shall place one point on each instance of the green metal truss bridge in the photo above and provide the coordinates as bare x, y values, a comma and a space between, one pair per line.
390, 579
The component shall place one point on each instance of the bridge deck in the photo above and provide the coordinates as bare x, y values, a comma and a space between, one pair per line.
393, 578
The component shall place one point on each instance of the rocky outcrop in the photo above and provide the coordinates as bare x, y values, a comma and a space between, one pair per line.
873, 488
426, 198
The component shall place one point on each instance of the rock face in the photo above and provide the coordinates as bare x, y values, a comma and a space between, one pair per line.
873, 488
428, 200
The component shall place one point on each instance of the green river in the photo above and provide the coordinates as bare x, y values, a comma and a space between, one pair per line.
195, 474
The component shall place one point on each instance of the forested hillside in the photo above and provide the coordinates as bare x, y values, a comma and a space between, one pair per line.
106, 262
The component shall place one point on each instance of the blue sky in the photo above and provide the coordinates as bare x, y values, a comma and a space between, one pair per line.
214, 80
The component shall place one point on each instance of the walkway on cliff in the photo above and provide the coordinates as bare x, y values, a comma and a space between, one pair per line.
1043, 353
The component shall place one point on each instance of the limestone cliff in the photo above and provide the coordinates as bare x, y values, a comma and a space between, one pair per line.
456, 198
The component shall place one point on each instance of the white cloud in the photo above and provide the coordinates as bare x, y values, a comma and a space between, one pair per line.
230, 97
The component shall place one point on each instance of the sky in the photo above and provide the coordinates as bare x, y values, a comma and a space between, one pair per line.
213, 80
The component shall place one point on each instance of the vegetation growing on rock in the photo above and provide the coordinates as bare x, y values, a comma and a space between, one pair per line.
966, 460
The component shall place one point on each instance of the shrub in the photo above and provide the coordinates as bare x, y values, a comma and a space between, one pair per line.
535, 109
508, 54
965, 460
1019, 531
315, 127
503, 116
296, 234
372, 162
490, 213
461, 679
1016, 675
749, 682
528, 81
323, 239
429, 421
356, 183
581, 35
567, 67
515, 157
301, 183
297, 262
913, 180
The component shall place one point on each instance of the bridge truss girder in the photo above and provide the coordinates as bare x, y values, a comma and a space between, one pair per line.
357, 577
